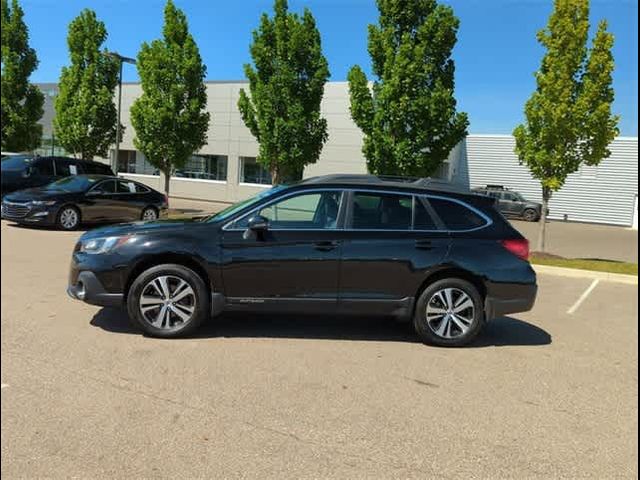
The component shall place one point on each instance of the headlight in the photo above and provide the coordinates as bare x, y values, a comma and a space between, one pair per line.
103, 244
47, 203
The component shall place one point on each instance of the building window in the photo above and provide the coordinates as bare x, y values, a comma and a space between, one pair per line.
205, 167
252, 172
131, 161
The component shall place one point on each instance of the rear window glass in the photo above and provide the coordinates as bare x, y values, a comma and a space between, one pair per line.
455, 215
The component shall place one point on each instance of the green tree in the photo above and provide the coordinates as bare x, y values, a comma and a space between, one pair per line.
408, 116
170, 117
286, 85
21, 101
86, 116
568, 117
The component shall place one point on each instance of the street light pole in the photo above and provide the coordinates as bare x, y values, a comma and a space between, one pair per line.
120, 59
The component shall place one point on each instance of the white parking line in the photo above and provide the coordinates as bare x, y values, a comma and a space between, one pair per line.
583, 297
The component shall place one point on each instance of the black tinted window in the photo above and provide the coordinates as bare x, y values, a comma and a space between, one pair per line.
141, 188
96, 168
380, 211
108, 186
422, 219
455, 215
126, 186
66, 168
44, 167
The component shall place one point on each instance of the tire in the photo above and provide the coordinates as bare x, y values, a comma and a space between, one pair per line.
68, 218
434, 332
169, 317
530, 215
149, 214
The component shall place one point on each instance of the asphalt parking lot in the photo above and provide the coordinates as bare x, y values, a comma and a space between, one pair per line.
542, 394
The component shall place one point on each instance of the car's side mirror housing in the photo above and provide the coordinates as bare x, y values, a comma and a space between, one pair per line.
256, 227
27, 172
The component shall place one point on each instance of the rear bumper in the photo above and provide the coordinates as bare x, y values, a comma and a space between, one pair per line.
89, 289
495, 307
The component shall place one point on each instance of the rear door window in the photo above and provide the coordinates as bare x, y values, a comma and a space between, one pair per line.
65, 168
456, 216
108, 186
422, 219
44, 167
381, 211
125, 186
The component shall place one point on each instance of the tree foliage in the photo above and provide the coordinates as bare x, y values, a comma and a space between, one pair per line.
286, 84
568, 117
170, 117
22, 101
86, 116
409, 117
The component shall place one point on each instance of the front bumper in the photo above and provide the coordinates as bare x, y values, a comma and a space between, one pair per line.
28, 213
89, 289
495, 307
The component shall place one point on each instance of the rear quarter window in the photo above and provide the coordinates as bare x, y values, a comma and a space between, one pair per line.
456, 216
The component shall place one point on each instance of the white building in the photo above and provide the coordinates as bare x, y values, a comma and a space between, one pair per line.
225, 169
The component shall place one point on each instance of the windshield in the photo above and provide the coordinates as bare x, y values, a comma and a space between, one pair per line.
236, 207
16, 163
72, 184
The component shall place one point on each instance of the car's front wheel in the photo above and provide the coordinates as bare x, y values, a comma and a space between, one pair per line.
168, 301
530, 215
68, 218
449, 313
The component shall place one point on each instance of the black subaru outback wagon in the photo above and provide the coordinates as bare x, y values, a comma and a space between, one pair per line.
340, 244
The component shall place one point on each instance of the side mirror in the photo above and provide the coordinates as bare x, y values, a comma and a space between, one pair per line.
27, 172
256, 227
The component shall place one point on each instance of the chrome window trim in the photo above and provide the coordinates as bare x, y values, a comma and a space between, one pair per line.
488, 221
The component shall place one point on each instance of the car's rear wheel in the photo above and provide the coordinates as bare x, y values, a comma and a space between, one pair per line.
530, 215
149, 214
68, 218
449, 312
168, 301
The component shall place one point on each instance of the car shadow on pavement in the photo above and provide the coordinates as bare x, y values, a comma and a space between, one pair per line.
505, 331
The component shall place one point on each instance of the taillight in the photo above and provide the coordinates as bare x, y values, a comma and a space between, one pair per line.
519, 247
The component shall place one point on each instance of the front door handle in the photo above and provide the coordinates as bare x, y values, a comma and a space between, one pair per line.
424, 245
325, 246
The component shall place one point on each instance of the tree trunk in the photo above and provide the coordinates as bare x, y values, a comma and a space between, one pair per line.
542, 233
275, 175
167, 179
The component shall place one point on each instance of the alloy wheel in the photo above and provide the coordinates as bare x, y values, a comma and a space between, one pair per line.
149, 214
69, 218
167, 302
450, 313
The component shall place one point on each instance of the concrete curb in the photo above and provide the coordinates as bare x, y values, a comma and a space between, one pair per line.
577, 273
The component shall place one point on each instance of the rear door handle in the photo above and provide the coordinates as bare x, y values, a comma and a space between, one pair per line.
424, 244
325, 246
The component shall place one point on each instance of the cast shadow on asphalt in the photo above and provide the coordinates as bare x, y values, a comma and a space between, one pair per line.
505, 331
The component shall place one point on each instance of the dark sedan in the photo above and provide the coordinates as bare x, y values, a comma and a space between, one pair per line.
84, 199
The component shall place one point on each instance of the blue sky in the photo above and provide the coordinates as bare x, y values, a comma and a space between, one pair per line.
496, 53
